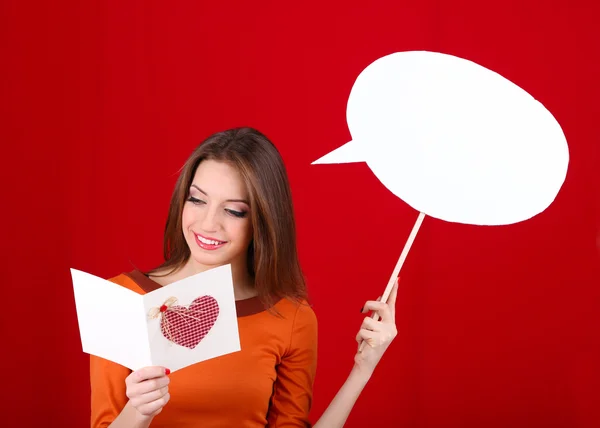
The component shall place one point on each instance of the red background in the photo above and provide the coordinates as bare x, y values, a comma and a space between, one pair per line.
103, 101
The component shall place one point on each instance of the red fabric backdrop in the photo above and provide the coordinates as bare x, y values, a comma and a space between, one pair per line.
103, 101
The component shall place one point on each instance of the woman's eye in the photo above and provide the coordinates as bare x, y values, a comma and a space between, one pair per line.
195, 201
239, 214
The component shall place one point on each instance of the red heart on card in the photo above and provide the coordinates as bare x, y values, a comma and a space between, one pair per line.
188, 326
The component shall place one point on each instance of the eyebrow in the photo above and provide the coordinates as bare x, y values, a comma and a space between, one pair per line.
228, 200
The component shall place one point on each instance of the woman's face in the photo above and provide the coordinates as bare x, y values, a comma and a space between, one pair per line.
216, 216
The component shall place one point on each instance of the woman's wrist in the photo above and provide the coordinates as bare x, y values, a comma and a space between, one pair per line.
360, 375
139, 420
142, 420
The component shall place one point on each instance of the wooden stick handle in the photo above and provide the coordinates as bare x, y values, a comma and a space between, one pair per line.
399, 263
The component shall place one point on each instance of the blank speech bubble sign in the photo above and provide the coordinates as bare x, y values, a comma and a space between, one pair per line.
453, 139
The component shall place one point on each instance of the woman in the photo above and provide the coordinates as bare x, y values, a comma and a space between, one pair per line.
232, 205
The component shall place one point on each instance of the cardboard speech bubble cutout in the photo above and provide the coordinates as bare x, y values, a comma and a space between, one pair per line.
453, 139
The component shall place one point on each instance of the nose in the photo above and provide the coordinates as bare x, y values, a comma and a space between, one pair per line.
210, 222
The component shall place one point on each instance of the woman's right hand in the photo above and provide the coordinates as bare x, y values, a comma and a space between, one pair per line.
148, 390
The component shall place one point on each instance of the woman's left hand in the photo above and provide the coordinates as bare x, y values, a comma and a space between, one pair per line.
376, 335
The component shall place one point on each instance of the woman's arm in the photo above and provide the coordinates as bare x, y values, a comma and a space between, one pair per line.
292, 391
378, 335
338, 411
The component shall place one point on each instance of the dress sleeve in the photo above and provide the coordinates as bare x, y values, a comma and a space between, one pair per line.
293, 389
107, 381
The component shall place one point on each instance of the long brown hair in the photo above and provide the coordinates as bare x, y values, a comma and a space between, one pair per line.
272, 254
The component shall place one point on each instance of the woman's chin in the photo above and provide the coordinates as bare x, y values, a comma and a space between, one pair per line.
210, 260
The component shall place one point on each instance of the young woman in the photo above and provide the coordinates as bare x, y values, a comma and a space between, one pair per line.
232, 205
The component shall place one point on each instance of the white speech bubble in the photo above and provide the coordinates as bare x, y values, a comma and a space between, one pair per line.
453, 139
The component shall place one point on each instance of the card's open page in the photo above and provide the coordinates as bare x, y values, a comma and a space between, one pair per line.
112, 322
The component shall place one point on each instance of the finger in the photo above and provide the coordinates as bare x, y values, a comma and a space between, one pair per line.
371, 324
382, 309
150, 372
376, 338
155, 406
147, 386
365, 309
366, 336
369, 305
149, 397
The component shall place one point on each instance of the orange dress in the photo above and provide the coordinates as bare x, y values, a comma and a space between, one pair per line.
268, 383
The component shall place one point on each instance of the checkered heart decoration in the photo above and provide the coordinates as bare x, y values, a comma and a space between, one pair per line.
187, 326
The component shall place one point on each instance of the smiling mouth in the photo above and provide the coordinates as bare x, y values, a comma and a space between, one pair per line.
208, 243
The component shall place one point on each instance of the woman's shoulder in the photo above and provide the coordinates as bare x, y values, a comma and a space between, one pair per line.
298, 312
299, 325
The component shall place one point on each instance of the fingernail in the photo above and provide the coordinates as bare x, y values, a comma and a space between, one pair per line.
167, 371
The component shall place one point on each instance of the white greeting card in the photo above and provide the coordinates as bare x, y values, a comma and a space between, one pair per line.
175, 326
